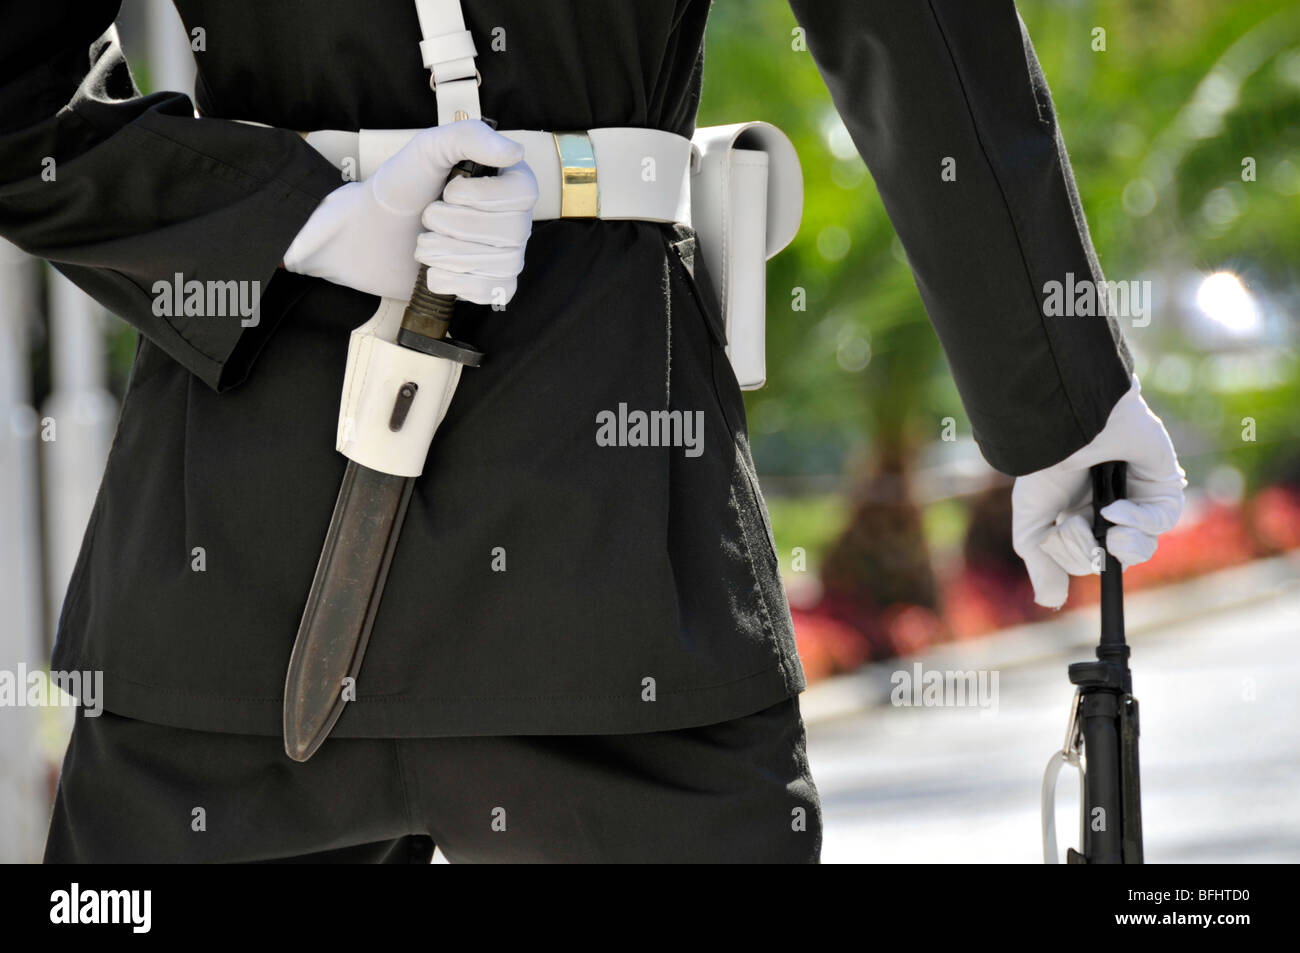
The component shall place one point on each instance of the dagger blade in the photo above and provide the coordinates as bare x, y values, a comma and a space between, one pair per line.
342, 604
359, 545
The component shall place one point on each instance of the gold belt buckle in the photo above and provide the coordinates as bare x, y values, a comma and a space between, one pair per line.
579, 190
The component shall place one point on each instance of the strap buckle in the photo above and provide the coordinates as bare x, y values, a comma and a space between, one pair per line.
433, 83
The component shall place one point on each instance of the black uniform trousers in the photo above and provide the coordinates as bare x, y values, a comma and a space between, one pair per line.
737, 791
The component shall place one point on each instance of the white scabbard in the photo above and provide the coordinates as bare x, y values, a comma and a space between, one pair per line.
377, 371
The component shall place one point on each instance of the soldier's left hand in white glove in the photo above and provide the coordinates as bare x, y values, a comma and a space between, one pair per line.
374, 235
1052, 507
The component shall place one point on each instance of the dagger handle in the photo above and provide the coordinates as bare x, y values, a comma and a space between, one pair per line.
429, 314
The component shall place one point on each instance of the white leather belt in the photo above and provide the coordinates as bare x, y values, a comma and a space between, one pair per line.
616, 172
739, 186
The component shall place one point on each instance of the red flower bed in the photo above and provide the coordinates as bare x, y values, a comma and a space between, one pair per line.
1275, 518
1219, 538
829, 644
826, 646
838, 635
978, 601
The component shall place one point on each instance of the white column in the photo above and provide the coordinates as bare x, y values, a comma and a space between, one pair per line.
76, 428
23, 803
171, 63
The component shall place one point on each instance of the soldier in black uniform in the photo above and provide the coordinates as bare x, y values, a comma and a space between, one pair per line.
500, 714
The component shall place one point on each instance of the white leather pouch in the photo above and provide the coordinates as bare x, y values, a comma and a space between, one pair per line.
746, 203
377, 370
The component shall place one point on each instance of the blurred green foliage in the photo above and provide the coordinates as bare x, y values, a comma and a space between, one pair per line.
812, 519
1158, 126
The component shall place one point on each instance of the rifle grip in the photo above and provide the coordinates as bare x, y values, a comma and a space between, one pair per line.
1109, 483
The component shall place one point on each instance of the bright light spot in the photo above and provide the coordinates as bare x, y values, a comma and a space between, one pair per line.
1286, 177
853, 351
838, 139
1224, 299
1139, 198
1220, 208
834, 242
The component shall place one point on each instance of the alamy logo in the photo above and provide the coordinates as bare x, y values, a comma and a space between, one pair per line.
941, 689
75, 905
34, 689
207, 299
1084, 298
654, 428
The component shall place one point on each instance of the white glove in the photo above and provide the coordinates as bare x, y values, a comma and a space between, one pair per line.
365, 234
1051, 524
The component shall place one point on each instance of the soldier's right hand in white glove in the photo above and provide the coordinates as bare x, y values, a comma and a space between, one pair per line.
1052, 508
365, 234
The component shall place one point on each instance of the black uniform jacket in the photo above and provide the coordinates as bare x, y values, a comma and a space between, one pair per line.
543, 583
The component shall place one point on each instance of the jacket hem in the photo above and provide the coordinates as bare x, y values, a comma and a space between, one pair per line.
418, 716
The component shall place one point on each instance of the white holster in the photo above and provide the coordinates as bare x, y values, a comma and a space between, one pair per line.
746, 203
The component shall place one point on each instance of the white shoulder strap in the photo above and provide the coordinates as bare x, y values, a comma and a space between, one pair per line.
448, 52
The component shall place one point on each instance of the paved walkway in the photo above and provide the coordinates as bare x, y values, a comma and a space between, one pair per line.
1220, 697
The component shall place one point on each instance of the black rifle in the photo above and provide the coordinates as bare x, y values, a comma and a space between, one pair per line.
1105, 717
